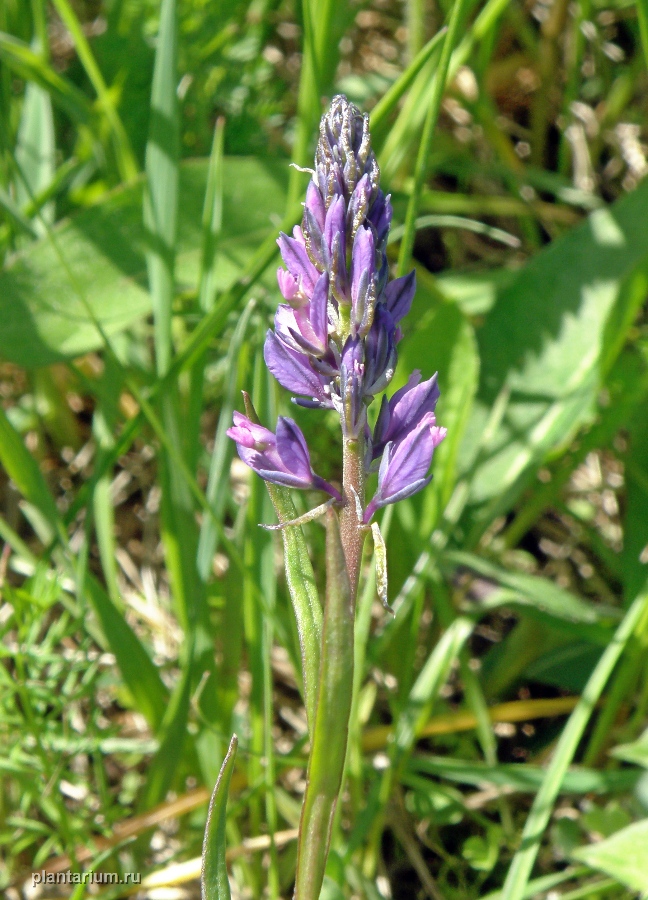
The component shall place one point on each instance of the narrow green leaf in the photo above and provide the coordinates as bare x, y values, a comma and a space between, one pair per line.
217, 484
532, 590
330, 734
436, 220
536, 823
320, 54
104, 519
214, 883
8, 204
212, 223
212, 219
303, 594
35, 152
522, 776
173, 734
429, 682
161, 195
635, 524
457, 15
389, 100
140, 675
27, 64
642, 15
411, 118
123, 151
23, 469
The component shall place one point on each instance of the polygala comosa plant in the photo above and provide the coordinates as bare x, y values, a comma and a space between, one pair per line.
334, 346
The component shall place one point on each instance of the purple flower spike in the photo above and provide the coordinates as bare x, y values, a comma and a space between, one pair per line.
404, 411
281, 459
404, 466
334, 344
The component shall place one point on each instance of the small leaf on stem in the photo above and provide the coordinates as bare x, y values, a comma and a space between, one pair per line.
214, 883
380, 558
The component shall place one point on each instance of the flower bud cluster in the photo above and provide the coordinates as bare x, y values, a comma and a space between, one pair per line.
335, 337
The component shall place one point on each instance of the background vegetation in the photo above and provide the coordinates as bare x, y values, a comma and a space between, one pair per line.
144, 152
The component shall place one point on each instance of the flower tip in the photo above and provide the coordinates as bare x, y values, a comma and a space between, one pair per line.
438, 435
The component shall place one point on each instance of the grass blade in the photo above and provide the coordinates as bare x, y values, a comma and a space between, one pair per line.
428, 684
173, 732
23, 469
212, 218
520, 870
389, 100
123, 151
35, 152
140, 675
214, 883
161, 197
642, 15
28, 65
457, 16
217, 484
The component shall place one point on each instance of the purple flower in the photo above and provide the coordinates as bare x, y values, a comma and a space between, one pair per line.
289, 287
399, 294
380, 217
404, 466
363, 269
380, 352
404, 411
314, 205
353, 411
294, 371
280, 459
306, 329
295, 256
359, 205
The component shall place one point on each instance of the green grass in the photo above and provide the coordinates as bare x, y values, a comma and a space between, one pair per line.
144, 616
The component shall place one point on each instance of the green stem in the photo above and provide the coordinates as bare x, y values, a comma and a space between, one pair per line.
330, 734
642, 14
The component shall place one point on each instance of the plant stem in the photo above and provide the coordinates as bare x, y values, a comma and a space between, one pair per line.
353, 485
330, 734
